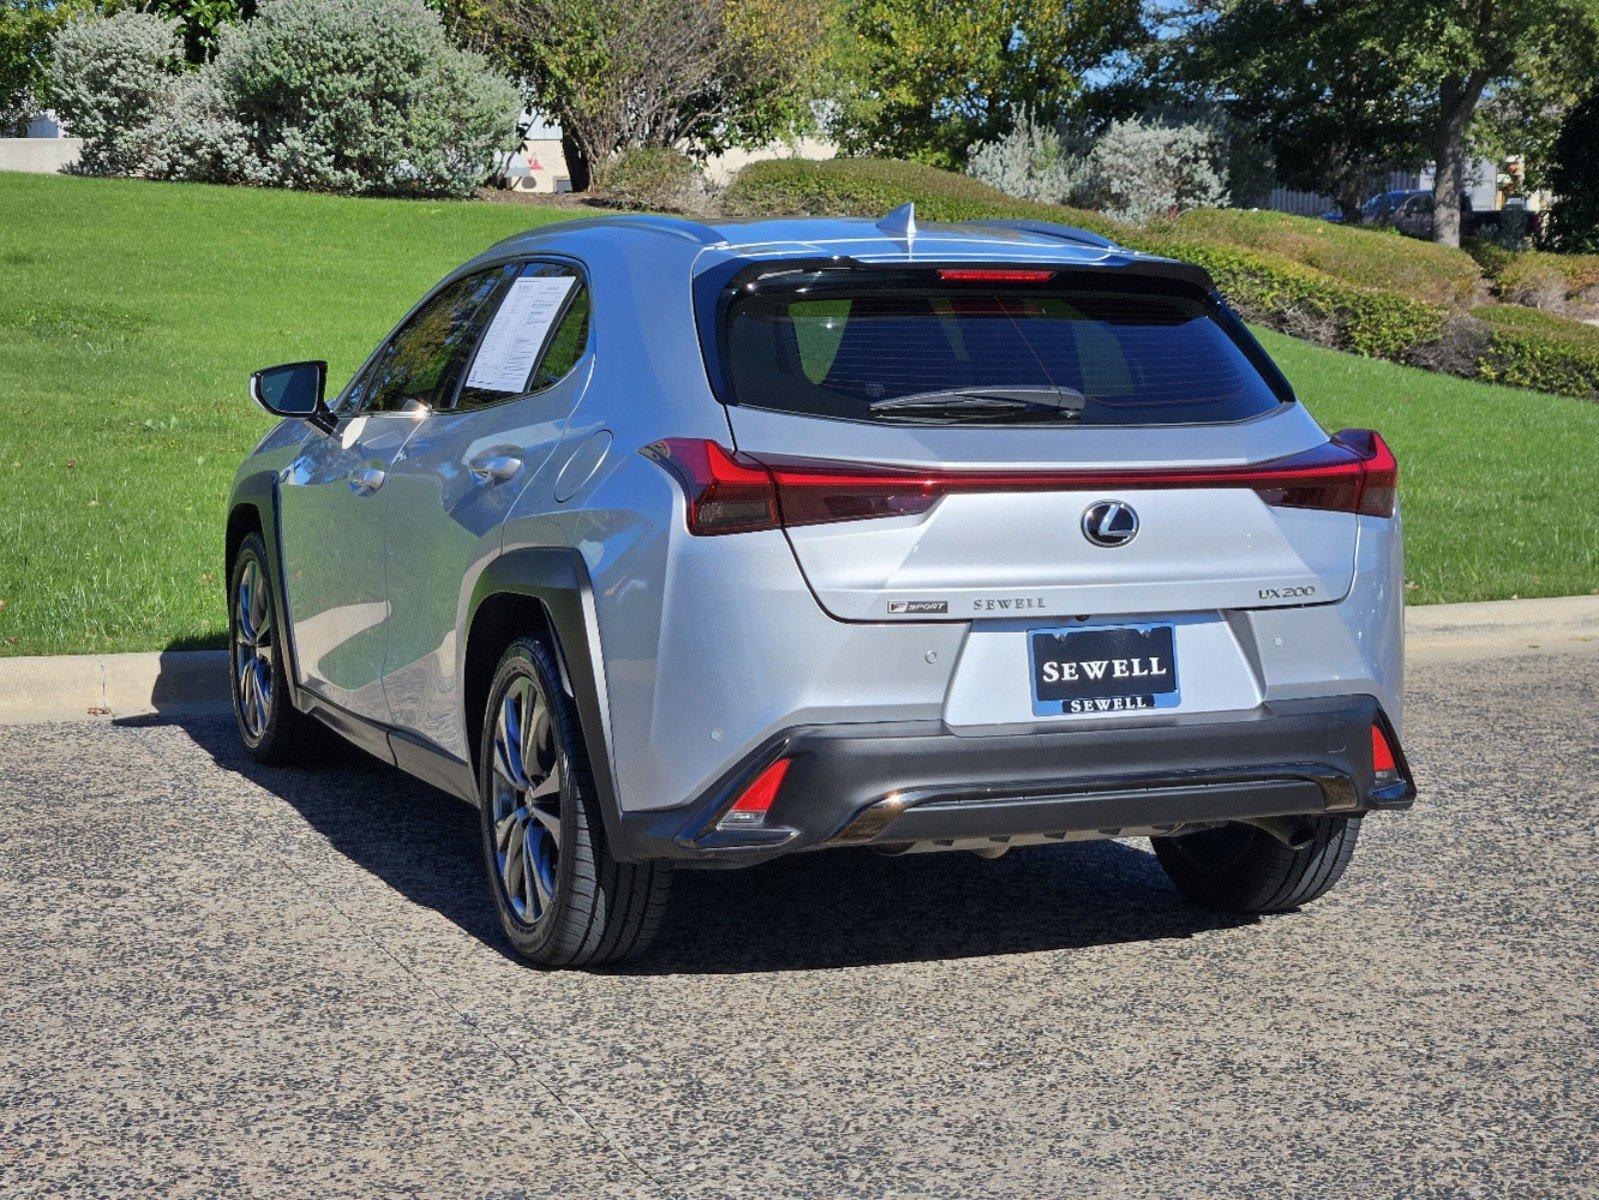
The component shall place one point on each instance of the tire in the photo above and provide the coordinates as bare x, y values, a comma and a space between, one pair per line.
271, 728
1238, 868
562, 900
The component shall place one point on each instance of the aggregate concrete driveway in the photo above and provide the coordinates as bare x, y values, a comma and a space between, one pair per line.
217, 979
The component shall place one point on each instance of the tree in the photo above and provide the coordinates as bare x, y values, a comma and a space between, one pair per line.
1575, 179
201, 21
1351, 86
926, 79
26, 30
700, 75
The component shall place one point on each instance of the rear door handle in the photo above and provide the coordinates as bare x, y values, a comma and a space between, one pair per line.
494, 468
366, 480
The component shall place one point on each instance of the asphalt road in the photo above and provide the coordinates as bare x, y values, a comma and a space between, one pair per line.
217, 979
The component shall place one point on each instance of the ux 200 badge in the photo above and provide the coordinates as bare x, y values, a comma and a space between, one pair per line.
1110, 523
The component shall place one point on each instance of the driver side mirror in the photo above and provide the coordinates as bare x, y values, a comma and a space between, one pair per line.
295, 390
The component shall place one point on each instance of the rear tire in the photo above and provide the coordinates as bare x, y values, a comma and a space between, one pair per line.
1238, 868
562, 900
271, 728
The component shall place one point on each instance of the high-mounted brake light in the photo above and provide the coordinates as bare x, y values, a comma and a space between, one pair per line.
752, 806
994, 275
1355, 472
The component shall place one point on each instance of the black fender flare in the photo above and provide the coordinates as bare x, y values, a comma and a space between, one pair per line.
557, 577
259, 490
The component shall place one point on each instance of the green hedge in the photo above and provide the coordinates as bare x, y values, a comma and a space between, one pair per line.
1528, 348
1263, 283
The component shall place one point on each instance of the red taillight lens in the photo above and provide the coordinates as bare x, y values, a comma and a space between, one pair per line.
725, 494
994, 275
1355, 472
751, 807
1382, 754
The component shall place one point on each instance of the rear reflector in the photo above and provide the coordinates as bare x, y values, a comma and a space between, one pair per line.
1355, 472
994, 275
751, 807
1382, 754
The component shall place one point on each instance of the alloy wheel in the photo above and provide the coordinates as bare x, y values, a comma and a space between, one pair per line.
254, 648
528, 780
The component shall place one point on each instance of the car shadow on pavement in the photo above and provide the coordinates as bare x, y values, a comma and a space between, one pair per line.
812, 911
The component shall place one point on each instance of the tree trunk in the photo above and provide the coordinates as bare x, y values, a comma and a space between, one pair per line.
1458, 102
577, 162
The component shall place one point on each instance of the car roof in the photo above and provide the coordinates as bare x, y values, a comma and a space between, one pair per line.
897, 237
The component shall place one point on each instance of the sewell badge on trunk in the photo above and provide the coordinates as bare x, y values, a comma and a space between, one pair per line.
1128, 668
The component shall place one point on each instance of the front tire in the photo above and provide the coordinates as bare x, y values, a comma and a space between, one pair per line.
271, 728
1239, 868
562, 900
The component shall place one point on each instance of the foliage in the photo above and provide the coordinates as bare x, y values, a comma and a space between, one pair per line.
656, 179
1142, 171
360, 96
201, 21
1366, 257
1575, 179
701, 75
1352, 86
26, 30
1539, 350
925, 79
1031, 162
108, 76
1537, 279
364, 97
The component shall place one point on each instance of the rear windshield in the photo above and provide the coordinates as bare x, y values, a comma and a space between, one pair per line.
931, 353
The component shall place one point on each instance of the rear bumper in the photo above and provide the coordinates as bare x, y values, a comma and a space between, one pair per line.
892, 784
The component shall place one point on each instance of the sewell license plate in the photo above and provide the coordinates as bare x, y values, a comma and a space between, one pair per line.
1128, 668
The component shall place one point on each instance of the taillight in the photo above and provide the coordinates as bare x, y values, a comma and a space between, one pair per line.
753, 804
1355, 472
725, 494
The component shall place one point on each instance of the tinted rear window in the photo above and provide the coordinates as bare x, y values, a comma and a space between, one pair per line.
991, 354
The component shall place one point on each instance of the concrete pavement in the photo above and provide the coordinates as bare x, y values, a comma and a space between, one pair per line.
217, 979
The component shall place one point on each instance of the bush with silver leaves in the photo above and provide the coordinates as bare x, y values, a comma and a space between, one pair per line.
1032, 162
108, 76
363, 96
1144, 171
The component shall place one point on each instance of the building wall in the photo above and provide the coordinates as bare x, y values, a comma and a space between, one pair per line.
39, 155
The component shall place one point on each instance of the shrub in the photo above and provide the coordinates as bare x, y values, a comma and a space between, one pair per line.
108, 77
1369, 258
1031, 162
1143, 171
1537, 350
363, 96
1574, 222
195, 138
658, 179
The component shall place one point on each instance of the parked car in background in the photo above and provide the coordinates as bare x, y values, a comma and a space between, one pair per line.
1374, 211
676, 544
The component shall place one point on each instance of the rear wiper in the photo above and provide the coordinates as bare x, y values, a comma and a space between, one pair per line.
993, 403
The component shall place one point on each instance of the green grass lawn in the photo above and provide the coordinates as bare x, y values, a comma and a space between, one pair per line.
131, 314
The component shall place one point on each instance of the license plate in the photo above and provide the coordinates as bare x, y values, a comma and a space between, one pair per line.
1127, 668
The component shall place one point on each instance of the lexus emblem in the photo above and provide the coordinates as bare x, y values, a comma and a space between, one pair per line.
1110, 523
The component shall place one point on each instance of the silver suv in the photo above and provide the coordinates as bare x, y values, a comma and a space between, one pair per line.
677, 545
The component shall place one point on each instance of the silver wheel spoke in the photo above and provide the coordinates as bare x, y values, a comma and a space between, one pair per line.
527, 779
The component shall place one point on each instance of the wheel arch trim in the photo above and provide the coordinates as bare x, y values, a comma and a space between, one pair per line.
557, 579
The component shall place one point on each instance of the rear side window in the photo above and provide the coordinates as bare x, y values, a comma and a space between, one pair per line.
1078, 352
538, 332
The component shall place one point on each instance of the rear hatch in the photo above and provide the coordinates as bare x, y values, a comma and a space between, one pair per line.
970, 444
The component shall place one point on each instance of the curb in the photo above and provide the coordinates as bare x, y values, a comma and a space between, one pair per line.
75, 687
85, 686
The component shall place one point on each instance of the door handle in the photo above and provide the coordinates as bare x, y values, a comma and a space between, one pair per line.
494, 468
366, 480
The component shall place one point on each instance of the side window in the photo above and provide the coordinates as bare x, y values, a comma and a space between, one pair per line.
423, 360
536, 336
